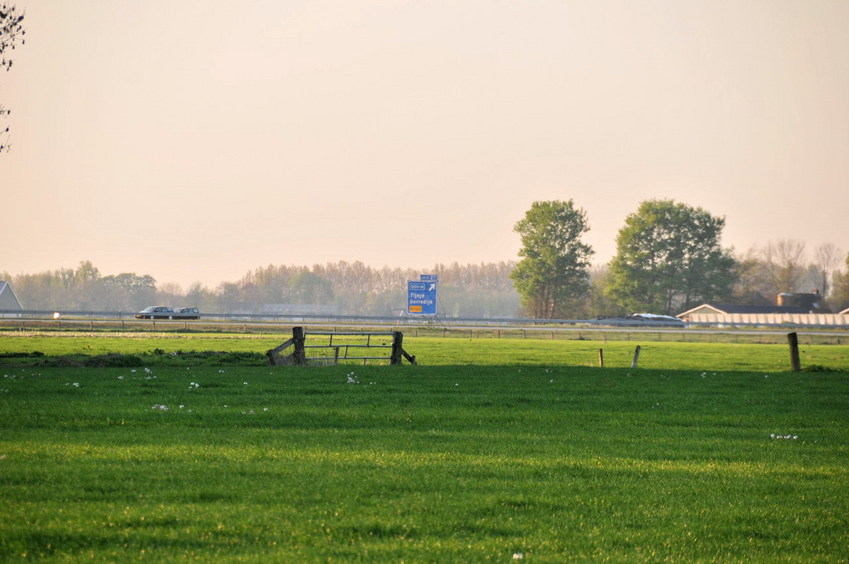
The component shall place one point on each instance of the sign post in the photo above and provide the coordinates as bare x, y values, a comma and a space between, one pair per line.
421, 295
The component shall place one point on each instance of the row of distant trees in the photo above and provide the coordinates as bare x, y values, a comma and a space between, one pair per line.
668, 259
649, 273
349, 288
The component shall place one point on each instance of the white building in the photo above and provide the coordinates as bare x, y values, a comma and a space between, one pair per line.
763, 315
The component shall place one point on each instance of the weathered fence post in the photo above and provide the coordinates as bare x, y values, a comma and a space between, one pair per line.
793, 341
299, 355
601, 358
636, 357
397, 347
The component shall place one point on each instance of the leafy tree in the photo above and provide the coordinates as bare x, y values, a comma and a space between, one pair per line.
310, 288
127, 291
753, 283
11, 31
827, 259
201, 297
785, 262
554, 271
598, 302
229, 296
669, 258
839, 297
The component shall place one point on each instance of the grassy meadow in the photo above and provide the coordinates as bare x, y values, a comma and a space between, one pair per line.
172, 348
489, 451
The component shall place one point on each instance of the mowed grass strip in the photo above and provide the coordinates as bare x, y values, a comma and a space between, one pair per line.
422, 464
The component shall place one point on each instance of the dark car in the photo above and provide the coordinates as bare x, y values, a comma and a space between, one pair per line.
187, 313
155, 312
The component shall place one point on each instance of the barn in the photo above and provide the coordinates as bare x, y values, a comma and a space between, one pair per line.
732, 314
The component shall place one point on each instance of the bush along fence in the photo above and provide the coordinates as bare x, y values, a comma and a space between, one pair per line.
330, 348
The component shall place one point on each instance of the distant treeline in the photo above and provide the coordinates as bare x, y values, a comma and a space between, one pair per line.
483, 290
343, 288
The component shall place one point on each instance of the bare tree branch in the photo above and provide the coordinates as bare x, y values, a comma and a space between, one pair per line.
11, 33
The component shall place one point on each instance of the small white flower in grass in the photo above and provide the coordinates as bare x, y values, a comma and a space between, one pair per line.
133, 370
245, 383
160, 407
518, 555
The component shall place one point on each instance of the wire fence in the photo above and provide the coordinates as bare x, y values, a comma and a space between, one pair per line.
418, 328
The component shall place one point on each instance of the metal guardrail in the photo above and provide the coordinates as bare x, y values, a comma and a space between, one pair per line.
410, 320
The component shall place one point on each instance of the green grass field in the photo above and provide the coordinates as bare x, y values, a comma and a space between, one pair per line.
159, 348
518, 454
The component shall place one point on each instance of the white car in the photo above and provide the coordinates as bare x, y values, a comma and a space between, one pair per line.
656, 319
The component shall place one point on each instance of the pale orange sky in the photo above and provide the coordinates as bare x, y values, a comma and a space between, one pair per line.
197, 140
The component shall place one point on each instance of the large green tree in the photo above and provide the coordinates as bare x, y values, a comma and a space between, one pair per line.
669, 259
554, 271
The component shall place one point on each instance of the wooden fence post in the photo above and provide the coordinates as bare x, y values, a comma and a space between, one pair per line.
299, 356
397, 347
636, 357
793, 341
601, 358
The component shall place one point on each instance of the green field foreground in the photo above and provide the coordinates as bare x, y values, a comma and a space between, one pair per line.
432, 351
546, 459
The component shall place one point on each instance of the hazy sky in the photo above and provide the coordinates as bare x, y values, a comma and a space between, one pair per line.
198, 140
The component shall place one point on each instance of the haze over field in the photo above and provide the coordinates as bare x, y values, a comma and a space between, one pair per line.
197, 140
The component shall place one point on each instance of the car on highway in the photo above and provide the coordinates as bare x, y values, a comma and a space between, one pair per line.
658, 320
155, 312
187, 313
642, 320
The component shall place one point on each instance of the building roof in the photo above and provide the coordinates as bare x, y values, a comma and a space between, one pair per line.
8, 299
737, 308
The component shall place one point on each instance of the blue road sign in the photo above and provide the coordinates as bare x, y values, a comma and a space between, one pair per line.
421, 298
